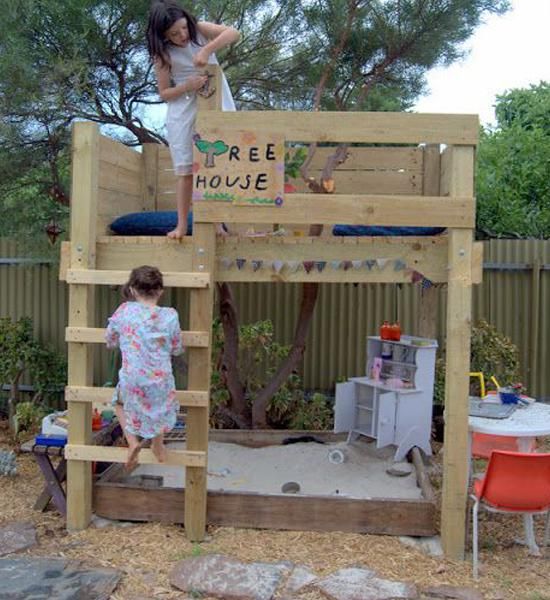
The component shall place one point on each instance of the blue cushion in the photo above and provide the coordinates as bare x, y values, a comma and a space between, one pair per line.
149, 223
374, 230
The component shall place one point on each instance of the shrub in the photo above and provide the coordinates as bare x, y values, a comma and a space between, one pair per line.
491, 353
259, 358
20, 354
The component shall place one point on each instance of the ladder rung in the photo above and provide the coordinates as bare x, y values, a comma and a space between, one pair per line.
105, 277
96, 335
186, 398
184, 458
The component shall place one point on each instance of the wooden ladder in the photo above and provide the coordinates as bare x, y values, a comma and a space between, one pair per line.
82, 277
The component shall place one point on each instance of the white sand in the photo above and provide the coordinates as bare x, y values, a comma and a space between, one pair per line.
233, 467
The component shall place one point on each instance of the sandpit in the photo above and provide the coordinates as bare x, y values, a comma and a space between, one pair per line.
265, 470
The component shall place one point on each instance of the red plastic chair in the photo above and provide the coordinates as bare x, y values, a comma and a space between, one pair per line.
518, 483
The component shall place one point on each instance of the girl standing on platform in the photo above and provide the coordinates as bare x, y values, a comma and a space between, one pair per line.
148, 335
180, 47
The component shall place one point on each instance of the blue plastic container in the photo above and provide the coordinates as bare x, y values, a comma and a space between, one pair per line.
50, 439
508, 396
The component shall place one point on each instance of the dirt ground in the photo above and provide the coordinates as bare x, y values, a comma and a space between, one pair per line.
146, 553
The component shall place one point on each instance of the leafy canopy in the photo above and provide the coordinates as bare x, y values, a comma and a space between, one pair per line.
66, 60
513, 163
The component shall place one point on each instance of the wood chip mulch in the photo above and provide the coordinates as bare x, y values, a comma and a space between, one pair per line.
146, 553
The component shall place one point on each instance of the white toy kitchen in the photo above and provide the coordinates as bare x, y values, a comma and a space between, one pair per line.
392, 403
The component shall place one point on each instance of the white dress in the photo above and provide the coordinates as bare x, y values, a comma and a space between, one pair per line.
181, 113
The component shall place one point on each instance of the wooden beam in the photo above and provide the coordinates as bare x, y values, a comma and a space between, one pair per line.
96, 335
84, 205
197, 421
428, 255
388, 516
427, 316
124, 253
97, 277
182, 458
477, 262
457, 178
215, 82
349, 209
185, 398
375, 127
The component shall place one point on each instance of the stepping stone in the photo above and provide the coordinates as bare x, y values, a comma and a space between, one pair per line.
47, 578
227, 578
17, 536
452, 592
362, 584
428, 545
300, 578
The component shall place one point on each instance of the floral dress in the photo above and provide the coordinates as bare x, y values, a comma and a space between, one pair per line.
148, 336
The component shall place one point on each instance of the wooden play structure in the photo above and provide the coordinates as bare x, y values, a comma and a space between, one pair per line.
401, 179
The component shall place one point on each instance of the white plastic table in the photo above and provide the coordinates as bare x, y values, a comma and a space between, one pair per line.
525, 423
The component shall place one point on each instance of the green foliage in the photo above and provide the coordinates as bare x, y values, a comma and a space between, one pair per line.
28, 418
313, 413
259, 357
21, 353
491, 353
513, 162
294, 162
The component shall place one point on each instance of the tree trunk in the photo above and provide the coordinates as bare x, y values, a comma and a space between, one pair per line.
310, 292
239, 411
13, 400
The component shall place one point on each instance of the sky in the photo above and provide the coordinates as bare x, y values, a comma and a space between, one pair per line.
505, 52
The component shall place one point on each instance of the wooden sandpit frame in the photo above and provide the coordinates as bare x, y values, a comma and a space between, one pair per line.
114, 498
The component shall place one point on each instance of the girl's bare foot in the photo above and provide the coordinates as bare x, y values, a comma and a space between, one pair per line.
159, 449
133, 452
177, 233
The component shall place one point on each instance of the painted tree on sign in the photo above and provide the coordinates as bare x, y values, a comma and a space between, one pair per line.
211, 149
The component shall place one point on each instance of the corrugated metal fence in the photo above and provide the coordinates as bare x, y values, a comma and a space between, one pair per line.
513, 297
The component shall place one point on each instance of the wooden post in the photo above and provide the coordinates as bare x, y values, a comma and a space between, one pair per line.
85, 163
200, 319
427, 309
457, 179
150, 172
534, 325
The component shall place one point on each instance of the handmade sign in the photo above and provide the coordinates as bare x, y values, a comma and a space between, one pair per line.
243, 168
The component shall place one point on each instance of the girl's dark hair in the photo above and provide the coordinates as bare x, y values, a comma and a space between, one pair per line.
163, 14
146, 281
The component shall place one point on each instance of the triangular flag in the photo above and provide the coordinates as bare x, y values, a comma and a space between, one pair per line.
346, 264
426, 283
370, 264
398, 265
356, 264
308, 265
278, 265
335, 264
226, 262
381, 262
416, 277
320, 264
256, 264
240, 262
293, 265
